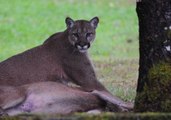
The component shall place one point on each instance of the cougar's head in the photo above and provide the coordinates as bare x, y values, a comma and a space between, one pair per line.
81, 33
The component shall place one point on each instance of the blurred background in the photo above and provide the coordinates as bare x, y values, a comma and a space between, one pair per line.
27, 23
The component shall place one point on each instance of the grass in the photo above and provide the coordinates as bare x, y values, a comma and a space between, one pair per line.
119, 76
26, 24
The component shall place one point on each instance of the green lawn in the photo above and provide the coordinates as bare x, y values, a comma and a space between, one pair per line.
27, 23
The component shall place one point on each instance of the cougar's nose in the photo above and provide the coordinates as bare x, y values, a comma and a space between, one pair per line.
82, 44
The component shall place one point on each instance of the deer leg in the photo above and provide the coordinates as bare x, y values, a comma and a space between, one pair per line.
3, 113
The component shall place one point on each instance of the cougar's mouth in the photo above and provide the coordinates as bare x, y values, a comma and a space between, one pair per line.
82, 47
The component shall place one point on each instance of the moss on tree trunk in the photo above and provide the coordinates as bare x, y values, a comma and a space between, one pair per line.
154, 82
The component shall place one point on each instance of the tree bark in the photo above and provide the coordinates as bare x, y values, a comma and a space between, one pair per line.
154, 82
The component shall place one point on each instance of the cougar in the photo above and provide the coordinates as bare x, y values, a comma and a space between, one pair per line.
62, 58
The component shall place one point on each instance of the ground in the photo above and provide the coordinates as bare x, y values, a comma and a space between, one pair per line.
119, 76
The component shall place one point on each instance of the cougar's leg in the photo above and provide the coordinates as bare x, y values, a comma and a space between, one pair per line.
118, 104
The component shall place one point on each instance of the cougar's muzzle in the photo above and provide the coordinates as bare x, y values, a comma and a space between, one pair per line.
82, 46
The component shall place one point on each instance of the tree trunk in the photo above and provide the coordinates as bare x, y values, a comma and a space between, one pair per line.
154, 82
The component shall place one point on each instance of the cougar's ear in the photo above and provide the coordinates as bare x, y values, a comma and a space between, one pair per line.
69, 22
94, 22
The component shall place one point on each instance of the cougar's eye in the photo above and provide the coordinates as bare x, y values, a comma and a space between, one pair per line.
75, 35
89, 34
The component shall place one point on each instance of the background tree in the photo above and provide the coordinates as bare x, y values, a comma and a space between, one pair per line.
154, 82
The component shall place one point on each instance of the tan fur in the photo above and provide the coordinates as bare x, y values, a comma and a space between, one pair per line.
10, 96
49, 97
